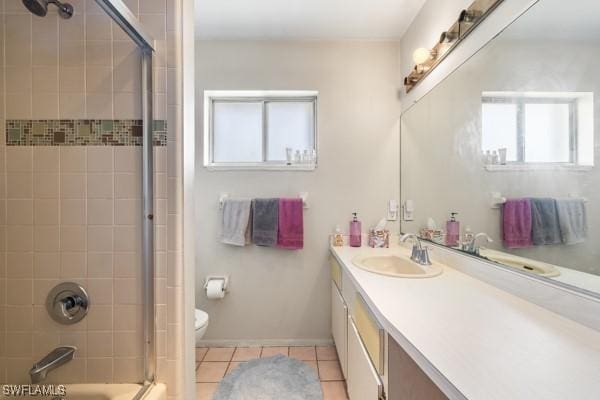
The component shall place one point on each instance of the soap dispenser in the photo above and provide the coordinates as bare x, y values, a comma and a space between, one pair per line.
355, 232
452, 230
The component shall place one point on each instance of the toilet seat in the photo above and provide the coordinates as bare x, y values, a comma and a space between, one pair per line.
201, 319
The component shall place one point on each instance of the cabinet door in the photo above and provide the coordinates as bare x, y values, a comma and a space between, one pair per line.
363, 381
370, 332
339, 326
336, 272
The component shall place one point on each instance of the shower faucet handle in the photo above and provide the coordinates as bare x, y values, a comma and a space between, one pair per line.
67, 303
72, 302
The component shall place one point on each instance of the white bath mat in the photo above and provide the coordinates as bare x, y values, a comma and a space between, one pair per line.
273, 378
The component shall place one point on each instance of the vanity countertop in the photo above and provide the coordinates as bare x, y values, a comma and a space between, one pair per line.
487, 343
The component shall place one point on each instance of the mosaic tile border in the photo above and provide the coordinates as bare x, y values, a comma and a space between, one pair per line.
81, 132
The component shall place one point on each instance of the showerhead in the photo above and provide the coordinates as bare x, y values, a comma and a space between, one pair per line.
40, 7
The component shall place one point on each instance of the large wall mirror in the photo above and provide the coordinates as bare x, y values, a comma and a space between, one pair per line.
510, 142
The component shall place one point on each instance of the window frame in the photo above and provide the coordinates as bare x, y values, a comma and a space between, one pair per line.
265, 97
520, 102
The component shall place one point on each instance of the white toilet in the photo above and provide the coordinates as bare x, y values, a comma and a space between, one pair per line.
201, 324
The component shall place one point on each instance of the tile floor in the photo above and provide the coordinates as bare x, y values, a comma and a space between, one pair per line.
212, 364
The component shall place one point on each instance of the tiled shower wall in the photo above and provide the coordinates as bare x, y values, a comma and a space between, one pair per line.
73, 212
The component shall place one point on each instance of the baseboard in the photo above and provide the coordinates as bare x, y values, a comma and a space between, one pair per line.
264, 342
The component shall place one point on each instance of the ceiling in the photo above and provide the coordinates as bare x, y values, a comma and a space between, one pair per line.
304, 19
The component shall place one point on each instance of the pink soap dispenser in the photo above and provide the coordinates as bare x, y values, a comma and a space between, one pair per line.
355, 232
452, 231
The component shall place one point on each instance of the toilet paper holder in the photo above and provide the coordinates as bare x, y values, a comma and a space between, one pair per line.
225, 280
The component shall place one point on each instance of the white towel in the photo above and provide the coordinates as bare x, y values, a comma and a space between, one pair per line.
572, 220
236, 222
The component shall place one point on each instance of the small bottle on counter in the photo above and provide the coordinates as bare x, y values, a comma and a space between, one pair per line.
338, 238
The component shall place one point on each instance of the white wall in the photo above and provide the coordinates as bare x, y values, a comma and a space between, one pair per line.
279, 295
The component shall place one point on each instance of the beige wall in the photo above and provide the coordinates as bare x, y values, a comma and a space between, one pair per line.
73, 213
278, 295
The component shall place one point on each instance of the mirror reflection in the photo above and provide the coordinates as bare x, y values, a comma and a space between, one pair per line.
500, 160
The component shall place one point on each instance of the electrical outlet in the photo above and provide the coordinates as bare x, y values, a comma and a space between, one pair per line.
392, 212
408, 210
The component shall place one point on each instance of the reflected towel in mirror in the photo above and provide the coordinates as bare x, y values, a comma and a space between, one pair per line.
544, 222
516, 223
572, 219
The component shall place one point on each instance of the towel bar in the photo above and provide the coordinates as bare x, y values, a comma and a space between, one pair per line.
302, 195
496, 199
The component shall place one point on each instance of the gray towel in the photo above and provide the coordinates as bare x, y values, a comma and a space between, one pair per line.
573, 220
236, 222
544, 222
265, 218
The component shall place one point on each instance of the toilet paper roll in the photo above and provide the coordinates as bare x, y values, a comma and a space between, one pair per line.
214, 289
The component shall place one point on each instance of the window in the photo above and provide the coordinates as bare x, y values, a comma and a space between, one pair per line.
260, 130
539, 128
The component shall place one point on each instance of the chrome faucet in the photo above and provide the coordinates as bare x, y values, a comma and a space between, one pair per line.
56, 358
471, 246
420, 254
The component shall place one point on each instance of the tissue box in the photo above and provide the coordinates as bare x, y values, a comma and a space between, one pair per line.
379, 239
435, 235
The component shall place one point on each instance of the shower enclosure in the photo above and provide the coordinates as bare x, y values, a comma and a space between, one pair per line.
77, 189
123, 17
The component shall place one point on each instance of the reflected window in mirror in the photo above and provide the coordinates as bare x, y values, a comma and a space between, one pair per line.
538, 129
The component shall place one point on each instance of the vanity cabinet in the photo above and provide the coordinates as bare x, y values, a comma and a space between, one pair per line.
374, 365
362, 378
339, 326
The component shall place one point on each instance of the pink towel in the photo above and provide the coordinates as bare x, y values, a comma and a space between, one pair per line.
516, 224
291, 230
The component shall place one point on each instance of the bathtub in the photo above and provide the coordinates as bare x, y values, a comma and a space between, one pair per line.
92, 391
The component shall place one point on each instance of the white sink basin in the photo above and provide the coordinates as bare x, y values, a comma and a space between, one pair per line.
396, 265
521, 263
